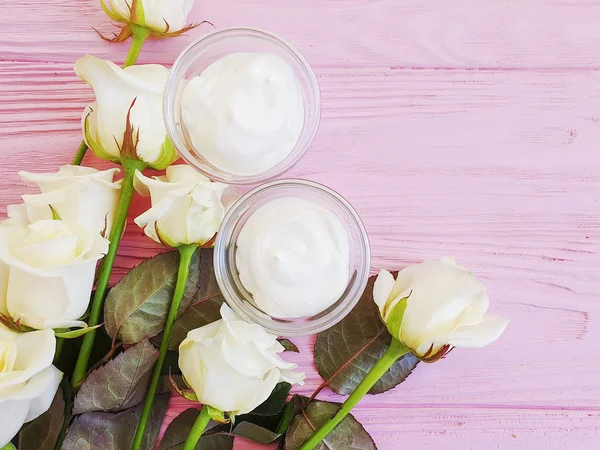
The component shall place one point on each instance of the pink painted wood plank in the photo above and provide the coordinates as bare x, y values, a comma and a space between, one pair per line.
376, 33
467, 128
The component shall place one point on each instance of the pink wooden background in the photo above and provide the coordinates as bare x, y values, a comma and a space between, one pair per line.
468, 128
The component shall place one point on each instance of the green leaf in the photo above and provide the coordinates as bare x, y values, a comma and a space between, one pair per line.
345, 353
276, 401
74, 334
255, 433
262, 424
42, 433
138, 305
196, 316
206, 305
107, 431
119, 384
180, 428
288, 345
171, 364
293, 407
71, 347
348, 435
246, 429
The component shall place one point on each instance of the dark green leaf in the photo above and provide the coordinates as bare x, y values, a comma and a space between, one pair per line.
345, 353
102, 346
260, 425
42, 433
293, 407
180, 428
171, 365
107, 431
138, 305
276, 401
206, 305
196, 316
348, 435
68, 355
255, 433
119, 384
71, 347
288, 345
245, 429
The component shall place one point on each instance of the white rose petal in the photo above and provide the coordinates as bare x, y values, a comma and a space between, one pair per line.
187, 208
18, 215
79, 195
445, 305
47, 272
28, 380
232, 365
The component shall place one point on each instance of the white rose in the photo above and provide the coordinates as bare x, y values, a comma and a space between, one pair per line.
187, 208
161, 16
79, 195
28, 380
435, 306
232, 365
135, 93
47, 272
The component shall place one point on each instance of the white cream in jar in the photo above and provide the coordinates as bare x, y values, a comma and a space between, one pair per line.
245, 112
293, 256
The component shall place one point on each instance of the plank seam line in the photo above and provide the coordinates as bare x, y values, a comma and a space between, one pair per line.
448, 406
316, 65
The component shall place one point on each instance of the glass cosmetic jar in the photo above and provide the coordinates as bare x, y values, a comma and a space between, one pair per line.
228, 278
214, 47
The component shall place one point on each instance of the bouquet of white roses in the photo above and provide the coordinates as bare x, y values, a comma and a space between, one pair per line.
83, 365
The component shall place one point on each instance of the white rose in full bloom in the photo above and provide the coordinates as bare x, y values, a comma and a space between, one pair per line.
434, 306
187, 208
232, 365
28, 380
135, 92
79, 195
159, 15
47, 272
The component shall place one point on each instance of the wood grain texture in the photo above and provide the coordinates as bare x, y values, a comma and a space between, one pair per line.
466, 128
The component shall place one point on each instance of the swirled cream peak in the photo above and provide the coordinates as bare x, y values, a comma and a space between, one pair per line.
244, 113
293, 256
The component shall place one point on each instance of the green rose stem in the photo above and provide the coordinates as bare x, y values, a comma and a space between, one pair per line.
197, 429
80, 154
140, 34
396, 351
186, 252
129, 168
